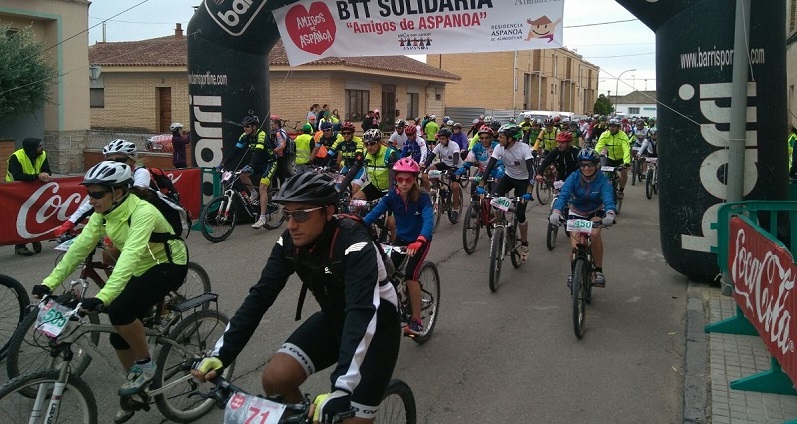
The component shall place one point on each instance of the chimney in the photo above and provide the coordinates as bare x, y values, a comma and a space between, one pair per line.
178, 31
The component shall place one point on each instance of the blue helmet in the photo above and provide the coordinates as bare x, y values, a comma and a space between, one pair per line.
588, 155
326, 125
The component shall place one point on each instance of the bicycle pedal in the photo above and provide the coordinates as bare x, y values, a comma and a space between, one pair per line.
134, 403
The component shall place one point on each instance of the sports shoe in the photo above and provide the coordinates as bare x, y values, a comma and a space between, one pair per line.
122, 416
620, 195
455, 216
37, 246
138, 377
260, 222
23, 251
414, 327
600, 280
524, 252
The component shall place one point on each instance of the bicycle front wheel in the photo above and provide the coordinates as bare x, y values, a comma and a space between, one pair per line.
217, 219
196, 336
429, 279
454, 217
77, 404
470, 228
543, 191
13, 301
398, 404
496, 257
634, 172
274, 216
579, 294
550, 237
513, 244
436, 210
649, 184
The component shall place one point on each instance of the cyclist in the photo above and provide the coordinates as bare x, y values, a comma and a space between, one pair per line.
430, 129
414, 216
546, 140
480, 156
459, 137
649, 148
449, 157
614, 145
564, 158
304, 147
327, 137
638, 135
518, 165
357, 329
399, 136
346, 148
578, 135
415, 147
153, 262
378, 163
526, 125
625, 126
589, 195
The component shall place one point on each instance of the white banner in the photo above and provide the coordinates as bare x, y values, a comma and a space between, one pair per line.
313, 29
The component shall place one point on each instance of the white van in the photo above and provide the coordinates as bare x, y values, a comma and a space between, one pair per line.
542, 115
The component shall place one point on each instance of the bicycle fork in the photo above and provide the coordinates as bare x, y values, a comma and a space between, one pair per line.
55, 400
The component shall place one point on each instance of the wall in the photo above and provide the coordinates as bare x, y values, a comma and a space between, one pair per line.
157, 160
7, 147
644, 109
486, 79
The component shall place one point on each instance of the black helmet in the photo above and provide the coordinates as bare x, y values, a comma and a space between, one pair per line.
250, 120
311, 188
495, 124
444, 132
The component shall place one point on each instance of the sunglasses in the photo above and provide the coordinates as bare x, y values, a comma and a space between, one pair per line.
486, 137
120, 160
405, 180
300, 215
97, 194
588, 165
346, 133
371, 143
330, 130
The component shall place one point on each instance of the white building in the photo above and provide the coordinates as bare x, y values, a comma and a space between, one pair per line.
635, 103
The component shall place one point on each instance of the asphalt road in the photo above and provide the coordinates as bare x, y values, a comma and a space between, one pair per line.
494, 357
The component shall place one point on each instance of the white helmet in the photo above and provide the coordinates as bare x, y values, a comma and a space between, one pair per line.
372, 135
120, 146
432, 117
174, 126
110, 173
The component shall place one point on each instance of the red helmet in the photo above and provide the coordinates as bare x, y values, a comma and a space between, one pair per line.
565, 136
556, 119
406, 165
486, 129
410, 130
347, 126
624, 120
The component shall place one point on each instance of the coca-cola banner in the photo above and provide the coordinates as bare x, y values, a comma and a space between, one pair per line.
32, 210
763, 273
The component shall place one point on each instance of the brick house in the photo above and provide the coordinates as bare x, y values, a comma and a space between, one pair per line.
550, 79
143, 85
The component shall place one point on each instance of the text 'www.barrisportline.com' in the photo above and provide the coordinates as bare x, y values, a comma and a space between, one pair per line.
721, 58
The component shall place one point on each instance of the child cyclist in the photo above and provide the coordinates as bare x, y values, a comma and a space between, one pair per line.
412, 209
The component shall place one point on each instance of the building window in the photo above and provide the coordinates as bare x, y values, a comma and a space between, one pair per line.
633, 111
413, 105
438, 97
97, 97
357, 104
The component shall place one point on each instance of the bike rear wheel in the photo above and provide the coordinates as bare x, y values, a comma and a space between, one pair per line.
496, 257
513, 243
450, 207
649, 184
429, 279
398, 404
274, 218
216, 225
76, 406
196, 334
634, 172
550, 237
656, 182
579, 282
436, 210
543, 191
470, 228
13, 301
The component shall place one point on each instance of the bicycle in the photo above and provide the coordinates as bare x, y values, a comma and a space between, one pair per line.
428, 278
379, 228
15, 300
582, 276
398, 405
219, 216
636, 168
443, 196
59, 395
477, 216
652, 177
504, 240
613, 172
553, 230
544, 189
24, 354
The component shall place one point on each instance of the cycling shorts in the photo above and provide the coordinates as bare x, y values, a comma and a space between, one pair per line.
505, 184
316, 345
441, 166
371, 192
414, 262
614, 163
600, 213
268, 173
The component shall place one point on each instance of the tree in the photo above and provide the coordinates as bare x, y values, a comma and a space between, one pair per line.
25, 75
603, 106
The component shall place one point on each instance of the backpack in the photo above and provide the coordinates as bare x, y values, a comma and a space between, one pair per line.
290, 144
160, 182
176, 216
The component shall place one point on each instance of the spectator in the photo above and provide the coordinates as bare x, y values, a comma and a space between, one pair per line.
324, 111
368, 122
180, 140
29, 164
336, 120
312, 116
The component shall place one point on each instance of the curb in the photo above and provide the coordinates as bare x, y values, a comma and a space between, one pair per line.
695, 358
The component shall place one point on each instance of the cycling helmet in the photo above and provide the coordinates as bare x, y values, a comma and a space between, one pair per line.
640, 123
347, 126
457, 125
401, 123
512, 121
407, 165
573, 124
444, 132
432, 117
475, 120
548, 121
109, 173
309, 187
485, 129
326, 125
275, 118
120, 146
511, 131
653, 131
411, 130
614, 121
175, 126
250, 120
307, 128
372, 135
557, 119
495, 125
589, 155
565, 136
446, 119
624, 120
537, 121
488, 119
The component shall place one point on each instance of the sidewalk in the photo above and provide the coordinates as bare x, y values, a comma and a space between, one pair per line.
731, 357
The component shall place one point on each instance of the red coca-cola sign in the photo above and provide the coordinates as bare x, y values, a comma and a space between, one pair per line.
763, 274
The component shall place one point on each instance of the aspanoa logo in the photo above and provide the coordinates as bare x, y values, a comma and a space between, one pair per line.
234, 16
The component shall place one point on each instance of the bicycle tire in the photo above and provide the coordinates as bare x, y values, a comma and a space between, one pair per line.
398, 404
435, 209
649, 184
275, 219
450, 208
513, 242
634, 170
208, 219
544, 194
28, 351
12, 312
656, 182
429, 279
550, 236
470, 228
199, 342
78, 399
496, 257
578, 293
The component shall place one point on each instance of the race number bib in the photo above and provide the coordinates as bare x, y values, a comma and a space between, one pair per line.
248, 409
435, 173
607, 169
357, 203
558, 184
65, 245
501, 203
52, 319
651, 160
579, 226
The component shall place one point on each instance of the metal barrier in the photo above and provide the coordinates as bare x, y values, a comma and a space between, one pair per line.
758, 214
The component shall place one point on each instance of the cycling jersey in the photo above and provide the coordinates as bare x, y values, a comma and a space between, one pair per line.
378, 167
129, 226
257, 143
584, 196
514, 159
461, 139
397, 140
412, 218
430, 129
417, 150
566, 162
348, 150
448, 154
617, 146
548, 139
480, 156
141, 178
639, 136
648, 148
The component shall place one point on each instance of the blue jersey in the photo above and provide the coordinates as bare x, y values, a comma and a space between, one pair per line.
412, 218
586, 197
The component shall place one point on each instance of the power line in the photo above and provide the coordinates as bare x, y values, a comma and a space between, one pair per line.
600, 23
621, 55
133, 22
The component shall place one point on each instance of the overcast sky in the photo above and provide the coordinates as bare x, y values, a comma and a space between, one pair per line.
614, 47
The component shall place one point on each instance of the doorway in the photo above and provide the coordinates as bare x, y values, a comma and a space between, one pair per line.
388, 107
164, 109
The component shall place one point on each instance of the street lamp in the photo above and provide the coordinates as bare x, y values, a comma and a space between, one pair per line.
617, 87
